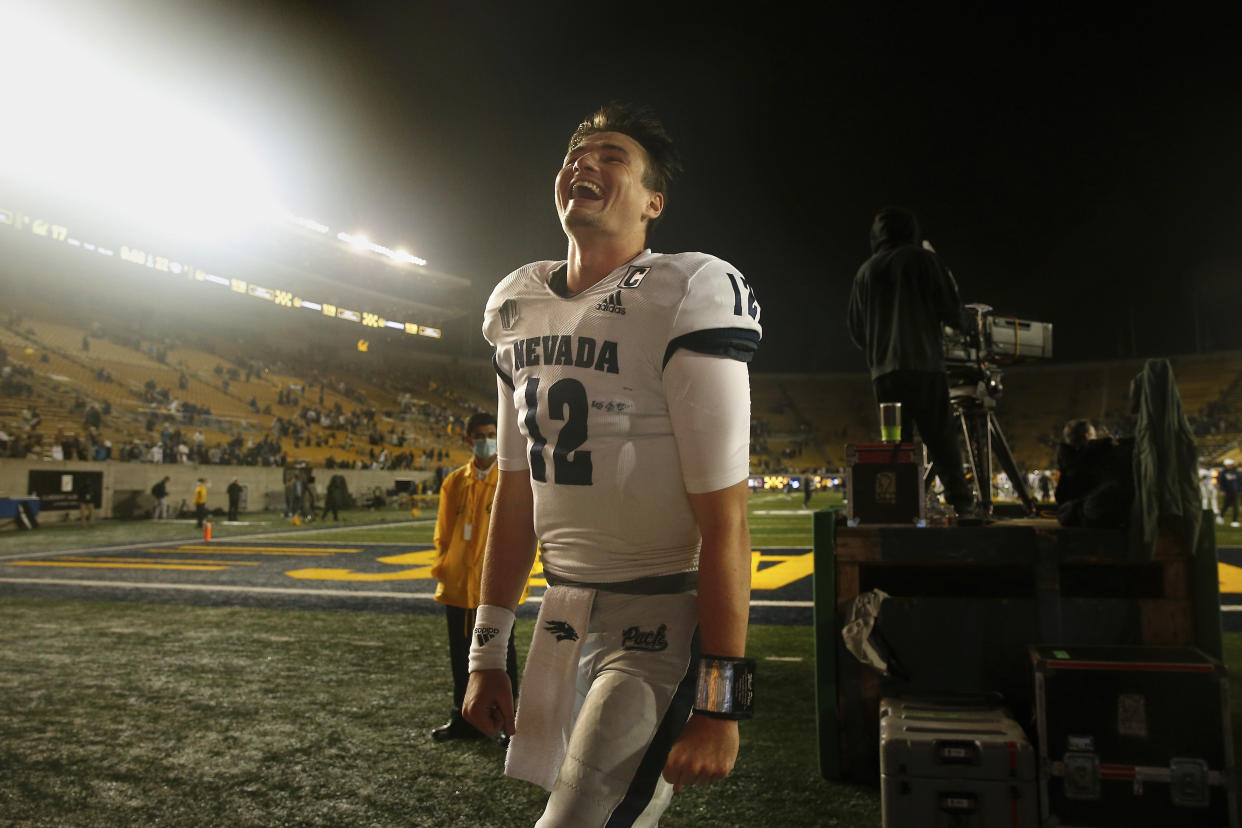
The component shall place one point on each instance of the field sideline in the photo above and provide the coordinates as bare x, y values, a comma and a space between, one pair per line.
134, 713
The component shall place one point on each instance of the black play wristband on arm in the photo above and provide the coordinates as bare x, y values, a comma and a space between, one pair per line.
726, 688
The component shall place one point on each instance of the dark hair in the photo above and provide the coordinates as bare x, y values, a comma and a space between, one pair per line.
1075, 433
478, 420
894, 226
639, 123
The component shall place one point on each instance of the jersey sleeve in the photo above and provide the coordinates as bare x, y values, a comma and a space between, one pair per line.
718, 315
491, 314
510, 442
501, 310
709, 406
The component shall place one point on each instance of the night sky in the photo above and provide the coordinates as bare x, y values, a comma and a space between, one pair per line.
1081, 168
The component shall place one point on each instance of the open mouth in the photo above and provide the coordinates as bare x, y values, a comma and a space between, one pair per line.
586, 190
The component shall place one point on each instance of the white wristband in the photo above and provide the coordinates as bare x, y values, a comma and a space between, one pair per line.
489, 642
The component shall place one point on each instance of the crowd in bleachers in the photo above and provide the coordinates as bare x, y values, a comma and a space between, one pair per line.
254, 411
103, 390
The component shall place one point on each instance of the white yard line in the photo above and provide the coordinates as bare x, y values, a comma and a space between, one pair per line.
401, 596
223, 541
334, 593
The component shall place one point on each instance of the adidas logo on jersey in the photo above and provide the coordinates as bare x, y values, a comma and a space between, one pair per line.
485, 634
612, 304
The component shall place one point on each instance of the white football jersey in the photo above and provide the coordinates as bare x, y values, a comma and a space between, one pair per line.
584, 377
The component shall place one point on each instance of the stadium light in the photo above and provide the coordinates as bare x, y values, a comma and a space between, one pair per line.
309, 224
85, 126
362, 243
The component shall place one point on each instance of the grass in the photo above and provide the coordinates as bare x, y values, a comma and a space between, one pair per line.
776, 521
135, 714
792, 527
55, 532
123, 714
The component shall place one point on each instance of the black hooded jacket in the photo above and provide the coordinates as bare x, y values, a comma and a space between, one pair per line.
900, 297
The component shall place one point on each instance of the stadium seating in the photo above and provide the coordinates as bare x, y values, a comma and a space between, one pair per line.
800, 422
64, 372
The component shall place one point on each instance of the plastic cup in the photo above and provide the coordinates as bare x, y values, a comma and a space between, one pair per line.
890, 422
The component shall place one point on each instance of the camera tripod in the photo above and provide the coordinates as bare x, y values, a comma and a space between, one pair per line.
975, 411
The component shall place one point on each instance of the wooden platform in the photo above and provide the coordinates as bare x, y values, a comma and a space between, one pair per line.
966, 602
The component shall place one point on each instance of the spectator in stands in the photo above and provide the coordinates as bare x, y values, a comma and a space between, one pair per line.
1229, 481
460, 537
900, 298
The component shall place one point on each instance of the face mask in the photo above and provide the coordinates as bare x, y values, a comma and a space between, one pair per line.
485, 447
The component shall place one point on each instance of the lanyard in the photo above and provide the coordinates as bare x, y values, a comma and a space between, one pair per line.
475, 488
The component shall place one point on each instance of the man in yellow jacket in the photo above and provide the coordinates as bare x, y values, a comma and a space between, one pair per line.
461, 535
200, 501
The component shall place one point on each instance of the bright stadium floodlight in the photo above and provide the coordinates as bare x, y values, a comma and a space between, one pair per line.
361, 243
102, 134
309, 223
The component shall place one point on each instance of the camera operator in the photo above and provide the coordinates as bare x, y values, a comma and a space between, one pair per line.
900, 297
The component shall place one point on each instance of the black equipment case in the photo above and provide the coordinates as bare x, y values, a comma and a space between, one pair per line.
884, 483
1133, 736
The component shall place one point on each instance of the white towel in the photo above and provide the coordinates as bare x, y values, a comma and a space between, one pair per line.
549, 686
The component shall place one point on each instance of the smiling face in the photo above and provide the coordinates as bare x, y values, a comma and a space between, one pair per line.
600, 189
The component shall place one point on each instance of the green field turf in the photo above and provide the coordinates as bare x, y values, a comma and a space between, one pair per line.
790, 526
134, 714
130, 714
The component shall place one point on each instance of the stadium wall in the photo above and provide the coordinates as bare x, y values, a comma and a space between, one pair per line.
120, 480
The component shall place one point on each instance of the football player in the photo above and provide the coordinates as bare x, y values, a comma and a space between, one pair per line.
624, 423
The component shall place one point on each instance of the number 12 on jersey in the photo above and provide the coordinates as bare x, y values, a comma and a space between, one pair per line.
567, 401
752, 307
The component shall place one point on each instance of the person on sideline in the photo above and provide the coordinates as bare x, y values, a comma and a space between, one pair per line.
200, 502
460, 537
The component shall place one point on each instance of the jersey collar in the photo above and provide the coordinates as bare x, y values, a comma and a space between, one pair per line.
558, 280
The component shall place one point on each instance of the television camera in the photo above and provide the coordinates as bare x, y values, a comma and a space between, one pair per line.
986, 340
973, 356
